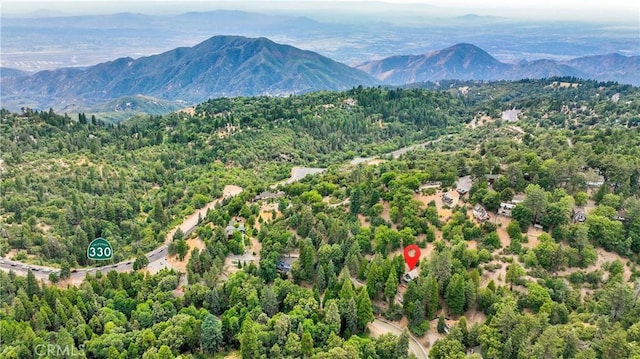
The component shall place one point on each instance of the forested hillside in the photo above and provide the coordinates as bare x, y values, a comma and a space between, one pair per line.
320, 264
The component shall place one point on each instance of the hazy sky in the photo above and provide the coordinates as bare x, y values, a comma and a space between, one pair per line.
624, 10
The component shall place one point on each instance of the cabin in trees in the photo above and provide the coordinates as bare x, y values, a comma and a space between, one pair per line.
593, 178
267, 195
480, 213
506, 208
579, 216
492, 178
447, 199
411, 275
231, 229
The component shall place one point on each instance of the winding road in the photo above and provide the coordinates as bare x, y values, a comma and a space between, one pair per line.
157, 257
381, 326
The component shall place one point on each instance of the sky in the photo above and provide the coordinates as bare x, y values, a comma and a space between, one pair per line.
589, 10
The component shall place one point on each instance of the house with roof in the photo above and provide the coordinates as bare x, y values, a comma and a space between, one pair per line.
447, 199
506, 208
283, 267
621, 216
231, 229
579, 215
492, 178
411, 275
267, 195
593, 178
480, 213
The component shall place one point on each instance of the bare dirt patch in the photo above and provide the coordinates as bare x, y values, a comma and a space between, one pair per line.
498, 275
532, 237
363, 221
182, 265
502, 223
603, 258
188, 110
443, 213
386, 208
480, 121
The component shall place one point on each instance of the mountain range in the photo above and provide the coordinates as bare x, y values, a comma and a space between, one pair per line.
469, 62
225, 66
221, 66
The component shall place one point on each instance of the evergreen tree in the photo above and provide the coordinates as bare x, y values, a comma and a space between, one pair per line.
391, 286
211, 337
455, 294
270, 304
365, 309
321, 279
33, 288
441, 324
350, 318
431, 298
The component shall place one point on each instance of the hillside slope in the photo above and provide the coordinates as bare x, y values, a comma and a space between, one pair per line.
220, 66
469, 62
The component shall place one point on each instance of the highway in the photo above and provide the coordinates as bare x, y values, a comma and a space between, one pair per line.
157, 257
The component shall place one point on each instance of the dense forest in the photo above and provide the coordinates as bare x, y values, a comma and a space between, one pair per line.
539, 282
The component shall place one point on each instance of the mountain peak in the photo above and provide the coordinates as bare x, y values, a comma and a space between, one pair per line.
223, 65
465, 61
462, 61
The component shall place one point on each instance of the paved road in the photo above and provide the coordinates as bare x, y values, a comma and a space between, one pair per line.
157, 257
298, 173
380, 326
397, 153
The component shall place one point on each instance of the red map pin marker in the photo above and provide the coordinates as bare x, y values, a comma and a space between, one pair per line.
411, 255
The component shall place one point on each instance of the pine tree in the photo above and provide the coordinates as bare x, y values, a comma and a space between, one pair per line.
441, 324
270, 303
455, 294
431, 298
293, 347
365, 309
211, 336
332, 316
212, 302
321, 279
32, 285
351, 318
391, 286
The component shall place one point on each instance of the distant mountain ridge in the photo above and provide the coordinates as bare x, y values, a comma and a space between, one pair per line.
469, 62
220, 66
10, 72
227, 66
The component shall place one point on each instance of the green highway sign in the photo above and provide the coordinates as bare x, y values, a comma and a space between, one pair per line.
99, 249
